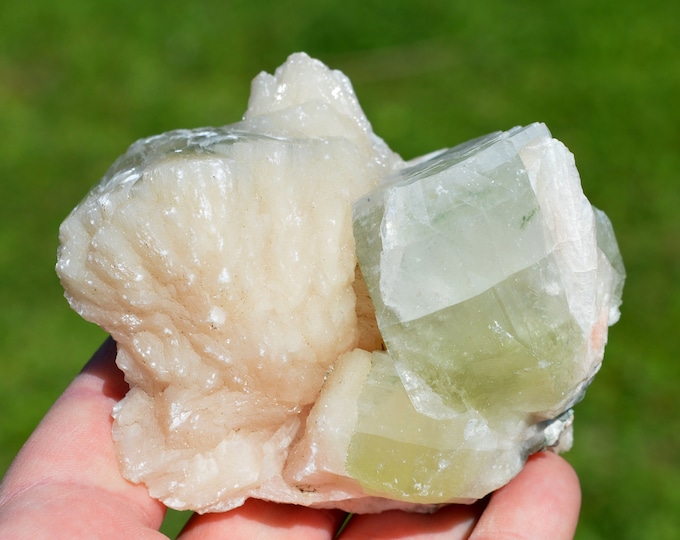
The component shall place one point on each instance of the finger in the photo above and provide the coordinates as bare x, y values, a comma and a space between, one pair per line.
67, 474
259, 519
452, 522
543, 501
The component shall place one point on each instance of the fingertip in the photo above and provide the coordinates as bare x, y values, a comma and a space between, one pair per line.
450, 522
559, 469
543, 501
263, 519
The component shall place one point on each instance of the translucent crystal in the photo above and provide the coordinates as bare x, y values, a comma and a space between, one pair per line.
492, 300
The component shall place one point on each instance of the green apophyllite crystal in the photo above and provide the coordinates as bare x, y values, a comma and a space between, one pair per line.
493, 297
399, 450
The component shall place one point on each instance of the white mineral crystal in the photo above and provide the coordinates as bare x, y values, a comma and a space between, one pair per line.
223, 261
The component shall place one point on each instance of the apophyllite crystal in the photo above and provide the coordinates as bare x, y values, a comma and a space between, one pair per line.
263, 361
493, 298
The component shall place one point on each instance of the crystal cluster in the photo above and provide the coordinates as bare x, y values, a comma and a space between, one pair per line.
304, 317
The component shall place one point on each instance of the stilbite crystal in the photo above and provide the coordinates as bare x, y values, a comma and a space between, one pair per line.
223, 262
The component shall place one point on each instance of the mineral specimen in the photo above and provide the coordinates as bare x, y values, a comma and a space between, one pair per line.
264, 362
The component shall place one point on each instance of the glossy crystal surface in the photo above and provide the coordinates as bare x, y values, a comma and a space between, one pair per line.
489, 335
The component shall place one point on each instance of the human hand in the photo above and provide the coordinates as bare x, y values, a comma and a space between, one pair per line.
65, 484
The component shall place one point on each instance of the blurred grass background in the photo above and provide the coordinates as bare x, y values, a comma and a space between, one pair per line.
79, 81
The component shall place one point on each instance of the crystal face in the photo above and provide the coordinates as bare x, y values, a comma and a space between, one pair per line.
486, 339
264, 362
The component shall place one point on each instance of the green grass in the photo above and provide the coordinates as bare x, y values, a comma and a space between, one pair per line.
81, 80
